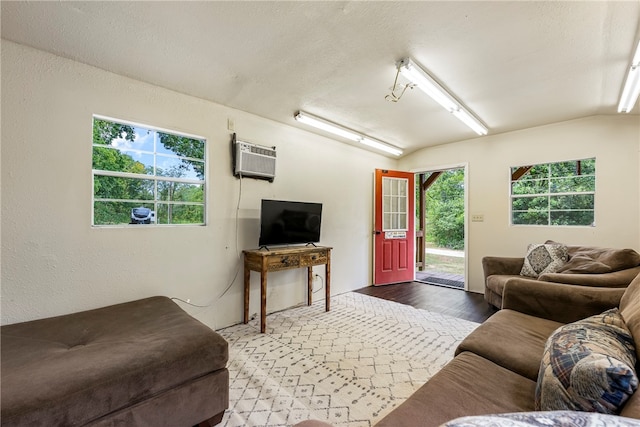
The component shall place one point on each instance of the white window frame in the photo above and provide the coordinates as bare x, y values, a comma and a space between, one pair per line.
148, 177
548, 194
395, 206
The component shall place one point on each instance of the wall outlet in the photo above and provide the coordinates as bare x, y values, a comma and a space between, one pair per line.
477, 218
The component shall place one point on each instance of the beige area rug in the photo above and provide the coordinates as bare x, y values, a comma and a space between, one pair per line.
350, 366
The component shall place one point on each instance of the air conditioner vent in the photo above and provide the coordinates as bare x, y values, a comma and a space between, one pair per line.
255, 161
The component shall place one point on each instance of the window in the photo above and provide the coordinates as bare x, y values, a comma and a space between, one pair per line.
556, 194
395, 204
146, 176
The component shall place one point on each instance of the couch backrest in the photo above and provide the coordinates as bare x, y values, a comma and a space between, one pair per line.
630, 308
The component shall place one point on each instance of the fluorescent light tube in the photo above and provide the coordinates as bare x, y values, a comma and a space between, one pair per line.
322, 124
428, 85
380, 146
338, 130
632, 85
465, 117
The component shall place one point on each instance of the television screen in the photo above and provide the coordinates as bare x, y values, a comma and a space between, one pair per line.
283, 222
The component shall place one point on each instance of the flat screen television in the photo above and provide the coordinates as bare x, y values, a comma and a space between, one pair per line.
286, 223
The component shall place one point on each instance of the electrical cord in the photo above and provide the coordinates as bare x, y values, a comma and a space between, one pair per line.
321, 287
392, 96
235, 276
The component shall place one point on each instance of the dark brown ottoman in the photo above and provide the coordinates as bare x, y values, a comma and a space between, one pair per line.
142, 363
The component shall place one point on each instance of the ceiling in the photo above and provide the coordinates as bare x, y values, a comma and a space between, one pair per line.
514, 64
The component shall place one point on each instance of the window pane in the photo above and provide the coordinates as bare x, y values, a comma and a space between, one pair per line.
121, 136
564, 169
402, 187
120, 150
180, 192
531, 218
111, 187
115, 213
111, 159
528, 203
179, 168
538, 171
523, 186
576, 184
181, 146
572, 217
566, 190
588, 166
179, 214
402, 205
575, 201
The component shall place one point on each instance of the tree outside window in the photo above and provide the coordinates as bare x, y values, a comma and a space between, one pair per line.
555, 194
143, 175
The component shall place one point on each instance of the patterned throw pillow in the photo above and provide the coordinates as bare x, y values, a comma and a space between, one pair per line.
544, 258
543, 419
588, 365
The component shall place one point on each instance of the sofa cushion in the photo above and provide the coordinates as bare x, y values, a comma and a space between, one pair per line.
544, 258
544, 418
512, 340
630, 308
496, 282
468, 385
595, 260
588, 366
76, 368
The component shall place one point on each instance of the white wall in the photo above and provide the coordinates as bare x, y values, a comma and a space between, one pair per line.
613, 140
54, 262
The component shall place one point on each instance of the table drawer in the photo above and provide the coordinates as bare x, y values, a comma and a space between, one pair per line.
317, 258
283, 262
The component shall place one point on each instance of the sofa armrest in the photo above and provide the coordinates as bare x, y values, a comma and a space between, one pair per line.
615, 279
501, 265
557, 301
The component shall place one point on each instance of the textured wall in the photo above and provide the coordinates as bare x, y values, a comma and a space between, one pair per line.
55, 262
613, 140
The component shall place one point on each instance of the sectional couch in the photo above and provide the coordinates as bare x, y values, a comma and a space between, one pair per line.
582, 266
496, 368
140, 363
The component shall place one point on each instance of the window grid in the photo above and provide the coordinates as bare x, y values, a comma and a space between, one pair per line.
163, 206
543, 202
395, 204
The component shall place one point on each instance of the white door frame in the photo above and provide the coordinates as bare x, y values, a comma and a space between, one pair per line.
464, 166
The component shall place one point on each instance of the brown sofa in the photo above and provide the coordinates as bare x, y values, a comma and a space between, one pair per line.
586, 266
496, 367
141, 363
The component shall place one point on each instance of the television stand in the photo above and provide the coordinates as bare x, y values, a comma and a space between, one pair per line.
284, 259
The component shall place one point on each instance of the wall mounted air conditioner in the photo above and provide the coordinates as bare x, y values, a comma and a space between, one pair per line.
253, 161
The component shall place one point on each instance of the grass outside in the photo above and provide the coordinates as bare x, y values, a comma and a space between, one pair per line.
444, 264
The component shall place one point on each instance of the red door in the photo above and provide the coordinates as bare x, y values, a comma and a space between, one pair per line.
394, 233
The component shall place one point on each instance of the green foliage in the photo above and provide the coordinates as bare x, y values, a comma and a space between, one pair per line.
107, 157
445, 210
542, 194
185, 147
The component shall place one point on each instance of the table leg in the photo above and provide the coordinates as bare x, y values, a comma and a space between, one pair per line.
263, 301
327, 287
309, 285
247, 285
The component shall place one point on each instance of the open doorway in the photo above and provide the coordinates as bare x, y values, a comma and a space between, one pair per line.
440, 227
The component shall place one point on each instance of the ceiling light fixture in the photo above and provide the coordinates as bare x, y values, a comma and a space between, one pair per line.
338, 130
632, 85
428, 85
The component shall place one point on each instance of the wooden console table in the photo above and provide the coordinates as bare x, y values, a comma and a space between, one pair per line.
265, 261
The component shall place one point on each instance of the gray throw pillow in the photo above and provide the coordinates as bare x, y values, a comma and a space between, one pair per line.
544, 258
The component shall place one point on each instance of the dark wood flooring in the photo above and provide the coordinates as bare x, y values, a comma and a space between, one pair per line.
453, 302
